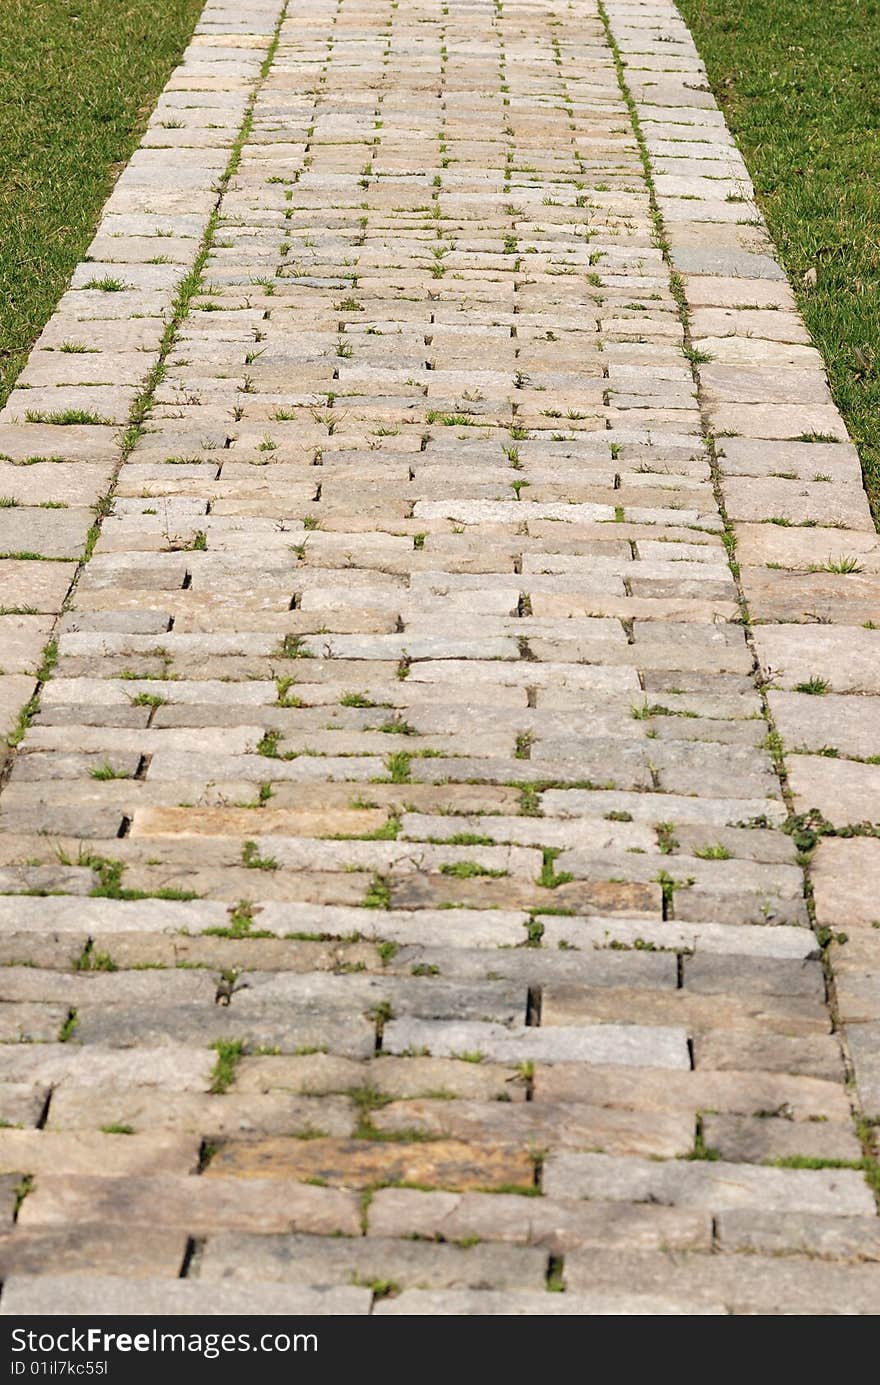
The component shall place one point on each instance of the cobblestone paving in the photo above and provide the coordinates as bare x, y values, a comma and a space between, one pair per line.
462, 606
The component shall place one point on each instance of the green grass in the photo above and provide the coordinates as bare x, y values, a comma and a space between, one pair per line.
797, 82
106, 771
229, 1055
79, 79
467, 870
816, 687
378, 894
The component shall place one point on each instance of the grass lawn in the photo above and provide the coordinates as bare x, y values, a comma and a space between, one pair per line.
799, 83
78, 80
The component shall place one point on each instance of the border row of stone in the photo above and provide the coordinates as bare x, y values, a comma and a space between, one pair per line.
790, 482
62, 431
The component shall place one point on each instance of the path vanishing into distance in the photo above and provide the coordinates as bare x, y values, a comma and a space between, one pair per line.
440, 659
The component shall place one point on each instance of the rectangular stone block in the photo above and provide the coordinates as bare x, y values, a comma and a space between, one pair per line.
717, 1186
49, 1295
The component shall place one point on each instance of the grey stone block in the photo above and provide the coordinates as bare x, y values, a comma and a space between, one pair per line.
48, 1295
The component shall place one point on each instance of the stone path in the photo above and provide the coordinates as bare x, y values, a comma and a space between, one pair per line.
462, 606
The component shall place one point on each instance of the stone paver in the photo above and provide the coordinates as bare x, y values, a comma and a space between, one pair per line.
432, 871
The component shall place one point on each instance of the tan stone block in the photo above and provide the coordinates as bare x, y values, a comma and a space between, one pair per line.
35, 585
22, 639
846, 883
533, 1125
359, 1163
843, 791
198, 1204
179, 823
81, 1152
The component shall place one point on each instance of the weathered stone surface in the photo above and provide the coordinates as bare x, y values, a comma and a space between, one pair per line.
10, 1189
846, 877
843, 791
845, 724
359, 1163
40, 586
318, 1260
80, 1152
48, 1295
200, 1204
574, 1127
738, 1093
26, 531
397, 803
706, 1184
814, 1056
744, 1284
776, 942
239, 822
844, 659
618, 1303
768, 1140
828, 1237
865, 1047
711, 974
93, 1249
210, 1117
15, 689
310, 1074
623, 1045
571, 1005
175, 1068
558, 1226
21, 1104
262, 1025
